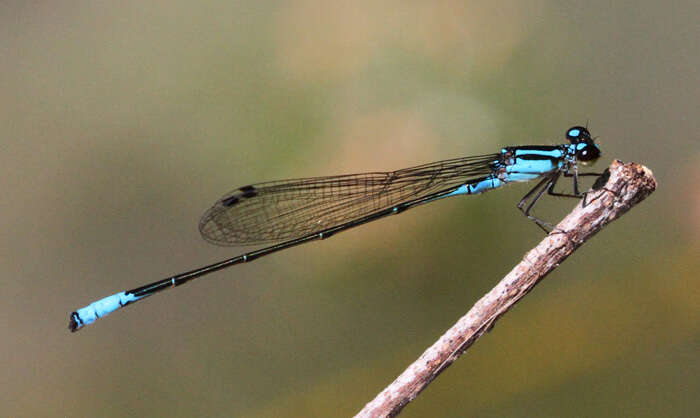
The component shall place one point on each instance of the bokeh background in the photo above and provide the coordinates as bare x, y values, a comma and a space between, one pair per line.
122, 122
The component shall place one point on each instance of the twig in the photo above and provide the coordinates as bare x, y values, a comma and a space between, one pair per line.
627, 185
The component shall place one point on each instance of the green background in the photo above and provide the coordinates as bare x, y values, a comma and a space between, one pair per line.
121, 123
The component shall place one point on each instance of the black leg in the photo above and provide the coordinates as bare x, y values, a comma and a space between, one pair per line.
577, 194
545, 184
531, 192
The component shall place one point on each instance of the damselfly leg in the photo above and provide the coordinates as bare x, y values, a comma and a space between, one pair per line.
539, 189
547, 184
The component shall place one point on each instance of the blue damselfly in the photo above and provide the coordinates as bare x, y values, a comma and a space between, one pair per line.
292, 212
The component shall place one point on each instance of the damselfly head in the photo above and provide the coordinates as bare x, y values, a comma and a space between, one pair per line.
587, 152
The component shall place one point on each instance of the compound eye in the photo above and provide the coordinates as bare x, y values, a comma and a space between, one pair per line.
588, 153
577, 134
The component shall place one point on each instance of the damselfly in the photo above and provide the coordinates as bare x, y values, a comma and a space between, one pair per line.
292, 212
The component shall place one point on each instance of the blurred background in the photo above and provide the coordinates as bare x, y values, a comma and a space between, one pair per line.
121, 123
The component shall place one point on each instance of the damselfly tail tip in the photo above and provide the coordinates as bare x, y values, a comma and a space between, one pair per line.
74, 324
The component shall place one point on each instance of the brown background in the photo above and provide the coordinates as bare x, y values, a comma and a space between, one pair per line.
121, 123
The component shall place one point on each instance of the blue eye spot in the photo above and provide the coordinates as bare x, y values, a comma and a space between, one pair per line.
574, 133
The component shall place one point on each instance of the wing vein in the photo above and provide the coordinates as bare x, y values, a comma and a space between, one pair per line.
287, 209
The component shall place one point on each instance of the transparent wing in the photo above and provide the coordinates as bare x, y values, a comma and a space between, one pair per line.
287, 209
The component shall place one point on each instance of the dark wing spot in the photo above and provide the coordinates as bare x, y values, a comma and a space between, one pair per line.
245, 193
248, 191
